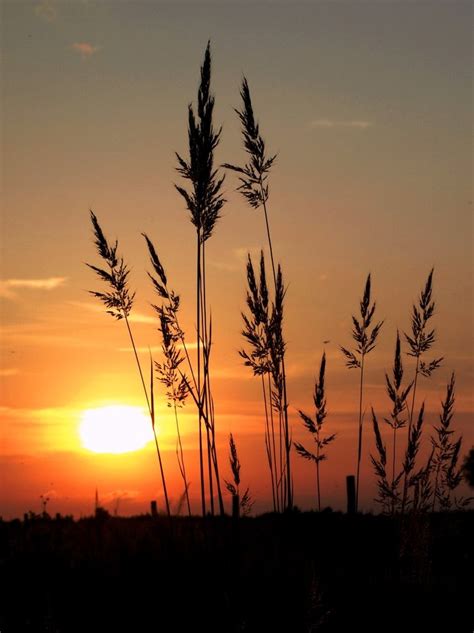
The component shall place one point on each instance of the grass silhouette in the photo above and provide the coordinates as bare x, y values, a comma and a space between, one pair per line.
254, 187
365, 339
204, 202
424, 488
315, 428
119, 302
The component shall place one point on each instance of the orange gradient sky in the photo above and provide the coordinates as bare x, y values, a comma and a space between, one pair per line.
368, 105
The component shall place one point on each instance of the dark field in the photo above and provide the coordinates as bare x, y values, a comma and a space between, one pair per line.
301, 572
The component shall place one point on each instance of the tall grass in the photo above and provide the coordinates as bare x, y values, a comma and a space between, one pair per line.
204, 202
398, 397
315, 427
420, 341
389, 495
182, 376
240, 504
365, 339
420, 481
264, 334
446, 450
254, 187
175, 351
119, 302
176, 386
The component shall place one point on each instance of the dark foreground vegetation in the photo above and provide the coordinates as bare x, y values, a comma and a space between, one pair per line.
295, 572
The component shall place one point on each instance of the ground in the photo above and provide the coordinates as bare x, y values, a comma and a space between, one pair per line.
303, 572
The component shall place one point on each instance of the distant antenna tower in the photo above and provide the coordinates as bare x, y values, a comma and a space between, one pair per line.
96, 500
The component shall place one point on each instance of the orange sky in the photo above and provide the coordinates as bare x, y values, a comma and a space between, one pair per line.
371, 118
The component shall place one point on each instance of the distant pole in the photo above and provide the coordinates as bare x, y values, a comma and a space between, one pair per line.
351, 494
153, 508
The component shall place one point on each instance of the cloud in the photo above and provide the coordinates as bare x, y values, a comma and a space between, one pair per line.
141, 350
138, 317
135, 317
47, 415
48, 495
331, 123
50, 283
85, 49
46, 10
9, 371
238, 259
156, 348
119, 495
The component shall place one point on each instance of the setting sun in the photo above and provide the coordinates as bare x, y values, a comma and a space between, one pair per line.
115, 429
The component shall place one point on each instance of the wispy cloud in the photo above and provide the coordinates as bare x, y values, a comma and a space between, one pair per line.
50, 494
135, 317
156, 349
50, 333
85, 49
48, 415
238, 259
332, 123
119, 495
9, 371
50, 283
138, 317
46, 10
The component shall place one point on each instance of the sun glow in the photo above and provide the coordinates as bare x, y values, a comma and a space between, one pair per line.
115, 429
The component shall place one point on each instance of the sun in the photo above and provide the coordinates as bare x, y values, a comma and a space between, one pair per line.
115, 429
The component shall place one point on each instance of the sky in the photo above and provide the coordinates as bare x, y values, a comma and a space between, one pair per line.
369, 107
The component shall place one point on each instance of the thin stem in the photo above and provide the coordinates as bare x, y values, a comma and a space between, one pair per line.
215, 461
272, 423
269, 444
199, 395
417, 371
410, 422
287, 440
317, 474
267, 224
209, 469
435, 489
210, 416
181, 338
182, 465
138, 364
393, 465
359, 450
283, 370
151, 412
277, 466
205, 368
162, 472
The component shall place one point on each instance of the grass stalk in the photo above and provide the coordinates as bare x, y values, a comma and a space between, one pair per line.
420, 340
365, 339
315, 427
119, 302
204, 201
253, 177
